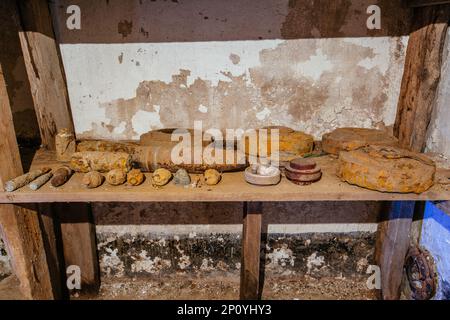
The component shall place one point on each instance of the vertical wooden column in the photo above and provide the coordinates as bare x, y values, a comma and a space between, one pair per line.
251, 251
44, 69
79, 242
393, 240
48, 85
421, 75
19, 226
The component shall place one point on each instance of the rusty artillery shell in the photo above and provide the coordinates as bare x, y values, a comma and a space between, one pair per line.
116, 177
135, 177
40, 181
61, 176
101, 161
24, 179
93, 179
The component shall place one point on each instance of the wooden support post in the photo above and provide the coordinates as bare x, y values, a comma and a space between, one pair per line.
79, 242
44, 69
421, 75
19, 226
51, 236
251, 251
392, 244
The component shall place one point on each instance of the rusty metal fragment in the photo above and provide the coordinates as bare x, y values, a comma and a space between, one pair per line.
386, 169
116, 177
420, 272
353, 138
61, 176
135, 177
65, 145
93, 179
101, 161
24, 179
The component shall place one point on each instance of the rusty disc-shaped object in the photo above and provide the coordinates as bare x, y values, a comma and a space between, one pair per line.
353, 138
302, 164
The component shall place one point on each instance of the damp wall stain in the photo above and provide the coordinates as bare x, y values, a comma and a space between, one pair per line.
314, 85
324, 255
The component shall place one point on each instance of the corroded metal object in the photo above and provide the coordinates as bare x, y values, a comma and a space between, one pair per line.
116, 177
24, 179
387, 169
420, 272
40, 181
93, 179
181, 177
61, 176
161, 177
347, 139
155, 151
302, 171
291, 143
101, 161
135, 177
65, 145
212, 177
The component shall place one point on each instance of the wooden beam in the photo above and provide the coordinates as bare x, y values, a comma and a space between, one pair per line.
251, 251
393, 240
79, 242
51, 236
421, 75
424, 3
45, 70
19, 226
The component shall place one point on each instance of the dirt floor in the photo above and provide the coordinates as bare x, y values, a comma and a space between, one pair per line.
302, 288
226, 288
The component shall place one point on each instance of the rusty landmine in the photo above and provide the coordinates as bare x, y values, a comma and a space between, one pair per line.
420, 272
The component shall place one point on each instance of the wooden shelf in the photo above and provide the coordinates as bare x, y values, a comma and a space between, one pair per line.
232, 188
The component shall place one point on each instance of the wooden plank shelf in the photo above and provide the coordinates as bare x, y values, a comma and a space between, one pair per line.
233, 187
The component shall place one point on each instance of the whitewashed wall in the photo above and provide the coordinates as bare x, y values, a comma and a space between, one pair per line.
139, 65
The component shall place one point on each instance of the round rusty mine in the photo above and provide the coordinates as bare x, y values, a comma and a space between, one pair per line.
289, 168
302, 164
295, 177
420, 272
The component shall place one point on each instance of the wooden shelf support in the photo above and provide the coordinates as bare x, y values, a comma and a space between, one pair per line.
45, 70
251, 251
19, 226
421, 75
393, 240
79, 242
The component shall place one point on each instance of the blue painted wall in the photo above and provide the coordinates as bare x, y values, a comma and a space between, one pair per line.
435, 238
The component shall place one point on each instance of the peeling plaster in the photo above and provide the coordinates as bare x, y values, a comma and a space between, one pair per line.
314, 85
